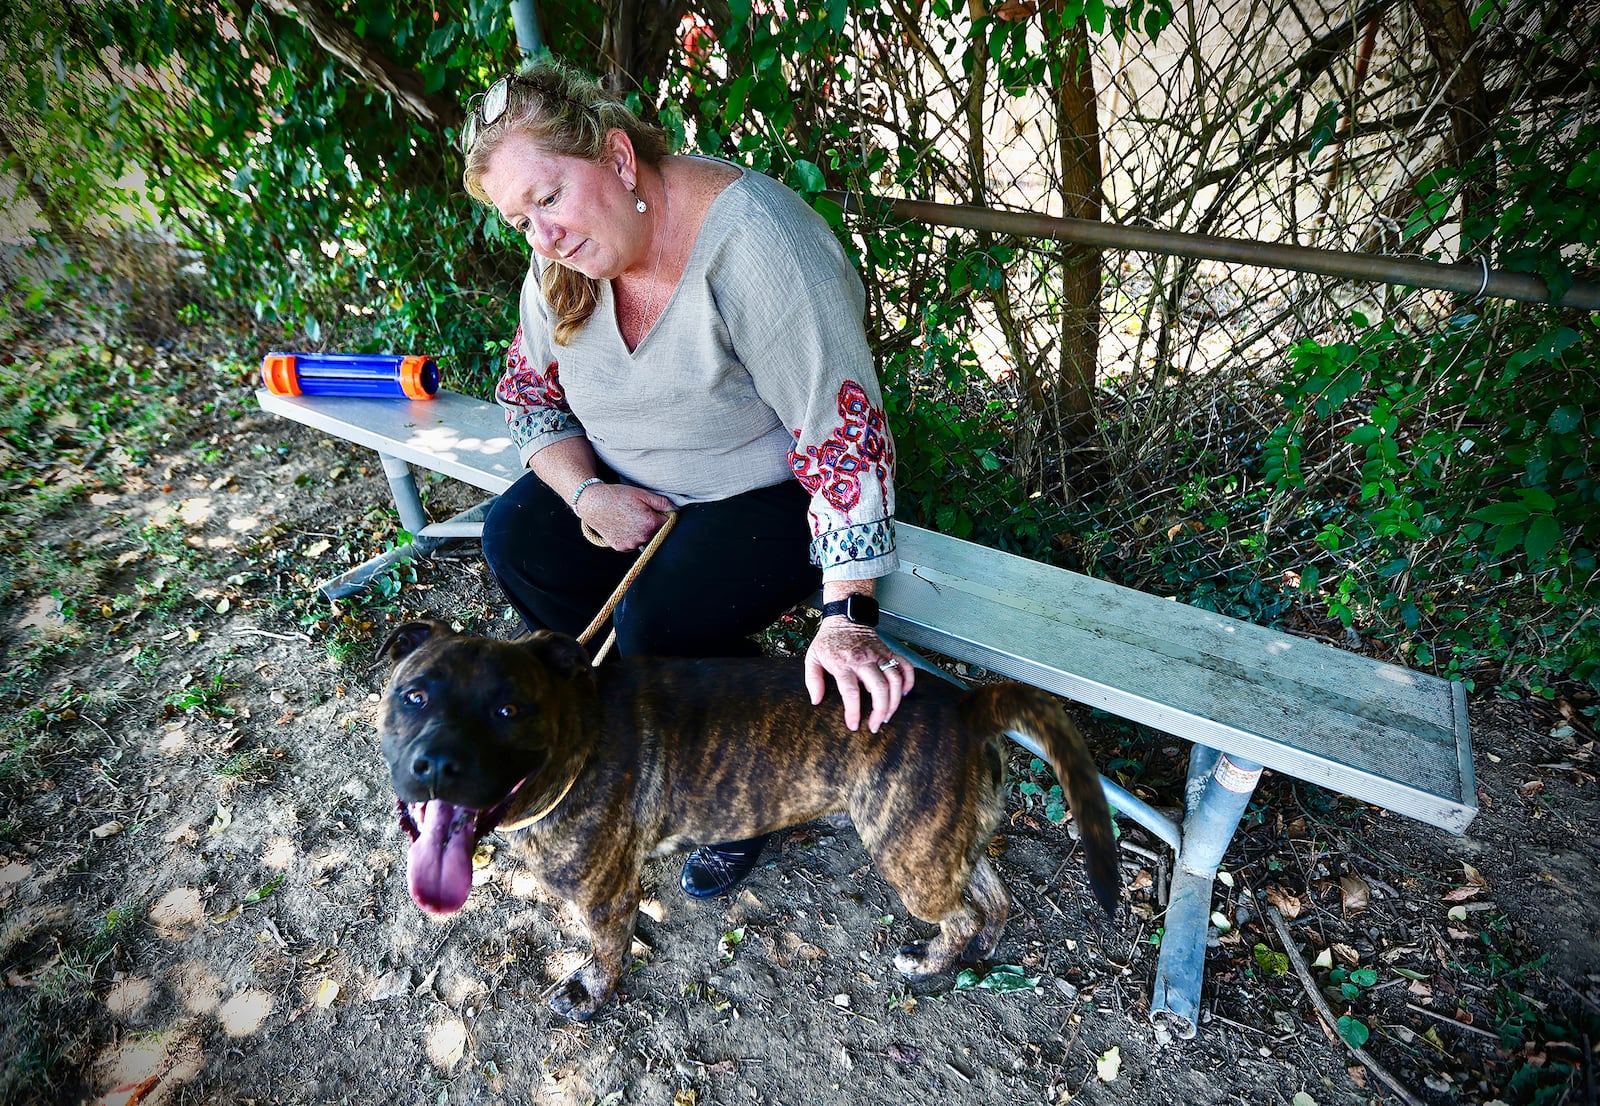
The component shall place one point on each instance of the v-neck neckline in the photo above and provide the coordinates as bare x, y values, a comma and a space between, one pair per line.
609, 296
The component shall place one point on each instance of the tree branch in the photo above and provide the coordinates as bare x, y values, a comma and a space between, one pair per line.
369, 64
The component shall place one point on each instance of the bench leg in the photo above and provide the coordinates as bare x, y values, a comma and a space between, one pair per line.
403, 486
1218, 792
425, 536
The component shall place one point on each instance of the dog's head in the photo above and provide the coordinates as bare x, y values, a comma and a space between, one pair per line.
474, 731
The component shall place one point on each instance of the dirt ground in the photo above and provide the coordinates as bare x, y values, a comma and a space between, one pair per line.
202, 882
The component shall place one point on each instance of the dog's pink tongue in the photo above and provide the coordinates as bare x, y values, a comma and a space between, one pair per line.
441, 858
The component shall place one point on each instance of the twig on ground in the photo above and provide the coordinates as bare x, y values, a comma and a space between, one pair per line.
1588, 1070
1448, 1020
1298, 962
268, 633
1583, 998
1237, 1025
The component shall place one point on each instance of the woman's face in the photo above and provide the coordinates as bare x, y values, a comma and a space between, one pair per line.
572, 211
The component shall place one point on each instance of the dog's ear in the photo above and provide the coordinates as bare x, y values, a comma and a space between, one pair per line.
560, 653
409, 637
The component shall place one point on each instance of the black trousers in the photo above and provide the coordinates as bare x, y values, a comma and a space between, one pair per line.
727, 570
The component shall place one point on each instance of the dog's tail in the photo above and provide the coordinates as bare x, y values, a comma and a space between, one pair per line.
1039, 716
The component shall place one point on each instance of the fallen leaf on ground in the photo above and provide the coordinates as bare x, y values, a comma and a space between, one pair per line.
1275, 964
395, 984
44, 614
1288, 905
447, 1042
1356, 894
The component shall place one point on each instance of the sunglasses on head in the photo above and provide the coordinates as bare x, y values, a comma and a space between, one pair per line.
487, 110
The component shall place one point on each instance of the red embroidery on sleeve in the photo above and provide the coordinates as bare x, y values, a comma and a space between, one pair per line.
859, 446
523, 384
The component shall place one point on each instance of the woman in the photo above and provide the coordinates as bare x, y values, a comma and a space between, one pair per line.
691, 339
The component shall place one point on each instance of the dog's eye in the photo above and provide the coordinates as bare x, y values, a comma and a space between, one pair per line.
509, 710
416, 697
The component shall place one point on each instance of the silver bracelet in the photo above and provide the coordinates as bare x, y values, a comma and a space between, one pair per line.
579, 490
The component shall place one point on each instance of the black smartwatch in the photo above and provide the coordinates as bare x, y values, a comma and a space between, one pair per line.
860, 609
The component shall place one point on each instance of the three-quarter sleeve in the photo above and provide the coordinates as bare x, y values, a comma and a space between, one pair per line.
815, 368
530, 390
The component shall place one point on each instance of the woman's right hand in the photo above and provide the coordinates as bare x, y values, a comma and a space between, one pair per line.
625, 516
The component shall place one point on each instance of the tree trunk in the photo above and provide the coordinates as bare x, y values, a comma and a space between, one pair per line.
639, 37
1078, 140
1447, 27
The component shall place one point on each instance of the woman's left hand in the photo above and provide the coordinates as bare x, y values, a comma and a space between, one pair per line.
856, 657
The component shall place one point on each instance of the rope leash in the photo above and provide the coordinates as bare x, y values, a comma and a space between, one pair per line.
594, 627
627, 581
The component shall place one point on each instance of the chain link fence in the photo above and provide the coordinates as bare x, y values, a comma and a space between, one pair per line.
1143, 386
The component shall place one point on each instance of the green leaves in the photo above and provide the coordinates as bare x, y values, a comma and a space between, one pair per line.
1273, 964
809, 175
1527, 522
1324, 128
1001, 978
1354, 1031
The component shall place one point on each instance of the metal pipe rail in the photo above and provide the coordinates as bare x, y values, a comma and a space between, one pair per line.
1474, 280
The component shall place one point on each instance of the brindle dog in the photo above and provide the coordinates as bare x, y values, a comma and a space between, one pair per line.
604, 767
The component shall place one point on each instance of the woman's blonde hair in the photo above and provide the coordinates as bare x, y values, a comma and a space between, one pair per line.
568, 113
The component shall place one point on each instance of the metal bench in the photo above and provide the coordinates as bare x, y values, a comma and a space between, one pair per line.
1247, 697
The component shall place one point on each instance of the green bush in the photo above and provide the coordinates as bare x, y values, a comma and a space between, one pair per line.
1433, 483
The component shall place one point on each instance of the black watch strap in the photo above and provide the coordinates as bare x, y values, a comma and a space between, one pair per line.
860, 609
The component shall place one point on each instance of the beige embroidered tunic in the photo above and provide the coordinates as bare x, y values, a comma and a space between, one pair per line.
757, 370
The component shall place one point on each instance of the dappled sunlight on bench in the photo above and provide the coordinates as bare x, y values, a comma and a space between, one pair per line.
448, 445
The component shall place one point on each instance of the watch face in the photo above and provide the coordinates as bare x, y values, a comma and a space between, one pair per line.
862, 609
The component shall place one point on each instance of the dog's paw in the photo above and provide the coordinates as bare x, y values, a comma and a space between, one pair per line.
913, 962
981, 947
580, 996
573, 1001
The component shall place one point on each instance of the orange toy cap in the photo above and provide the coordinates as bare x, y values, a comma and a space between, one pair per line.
279, 375
419, 377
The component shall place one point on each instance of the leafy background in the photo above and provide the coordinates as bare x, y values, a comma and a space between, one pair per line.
1407, 470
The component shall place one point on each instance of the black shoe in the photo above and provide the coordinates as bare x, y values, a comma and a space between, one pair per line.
715, 869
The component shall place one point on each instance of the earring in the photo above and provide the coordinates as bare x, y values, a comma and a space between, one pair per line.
638, 203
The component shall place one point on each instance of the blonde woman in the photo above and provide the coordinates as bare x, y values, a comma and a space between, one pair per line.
690, 340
